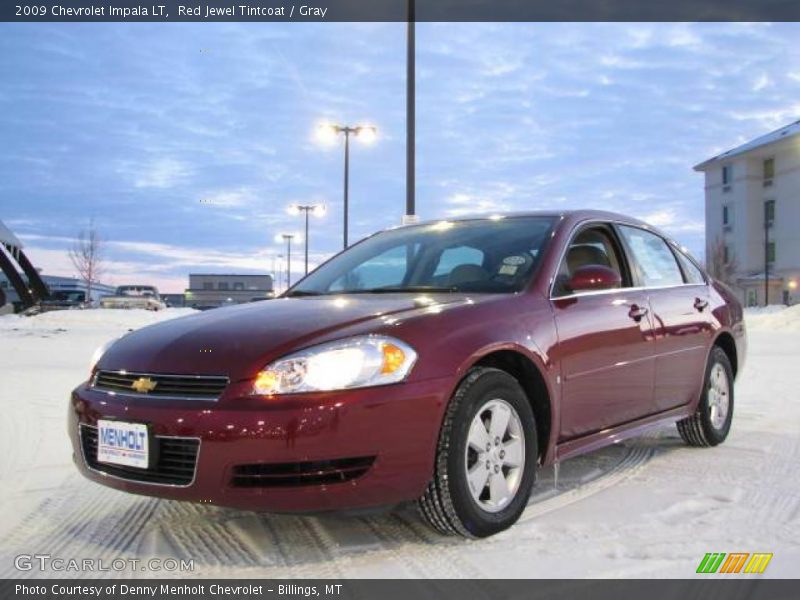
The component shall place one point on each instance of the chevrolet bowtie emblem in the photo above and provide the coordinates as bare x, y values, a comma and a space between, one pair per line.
144, 385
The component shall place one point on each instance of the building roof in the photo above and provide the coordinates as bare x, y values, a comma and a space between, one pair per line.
229, 275
6, 237
765, 140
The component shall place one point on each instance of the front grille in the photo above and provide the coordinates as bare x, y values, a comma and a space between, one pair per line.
318, 472
177, 459
201, 387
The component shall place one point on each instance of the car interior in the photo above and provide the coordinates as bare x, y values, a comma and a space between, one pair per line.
591, 247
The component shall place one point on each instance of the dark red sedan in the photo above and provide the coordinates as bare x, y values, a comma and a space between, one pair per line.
442, 363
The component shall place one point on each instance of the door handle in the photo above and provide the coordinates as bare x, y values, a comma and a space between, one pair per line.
637, 312
700, 304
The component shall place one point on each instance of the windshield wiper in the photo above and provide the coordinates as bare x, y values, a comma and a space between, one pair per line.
412, 289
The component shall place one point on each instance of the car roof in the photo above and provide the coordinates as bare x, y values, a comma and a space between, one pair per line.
575, 216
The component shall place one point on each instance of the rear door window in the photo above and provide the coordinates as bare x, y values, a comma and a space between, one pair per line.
657, 264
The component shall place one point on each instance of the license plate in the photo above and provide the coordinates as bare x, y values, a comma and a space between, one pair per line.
121, 443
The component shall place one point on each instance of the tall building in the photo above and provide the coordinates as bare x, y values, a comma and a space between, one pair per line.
753, 217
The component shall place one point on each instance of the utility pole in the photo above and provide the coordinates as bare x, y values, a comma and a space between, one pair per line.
411, 209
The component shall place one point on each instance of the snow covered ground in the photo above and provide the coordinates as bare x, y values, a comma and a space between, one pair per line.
649, 507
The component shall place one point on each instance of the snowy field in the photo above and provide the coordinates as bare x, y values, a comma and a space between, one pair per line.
649, 507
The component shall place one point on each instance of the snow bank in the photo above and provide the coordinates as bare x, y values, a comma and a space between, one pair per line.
773, 318
93, 319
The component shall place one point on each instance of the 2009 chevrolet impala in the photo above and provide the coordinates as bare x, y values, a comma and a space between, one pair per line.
442, 363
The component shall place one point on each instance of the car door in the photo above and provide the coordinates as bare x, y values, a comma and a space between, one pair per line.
678, 298
605, 349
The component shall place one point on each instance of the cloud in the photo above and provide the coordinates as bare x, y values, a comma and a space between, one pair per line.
669, 220
461, 204
762, 82
229, 198
161, 173
198, 153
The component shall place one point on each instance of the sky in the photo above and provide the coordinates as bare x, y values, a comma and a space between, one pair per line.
183, 144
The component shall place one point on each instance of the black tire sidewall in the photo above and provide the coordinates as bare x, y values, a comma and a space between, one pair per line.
713, 435
489, 386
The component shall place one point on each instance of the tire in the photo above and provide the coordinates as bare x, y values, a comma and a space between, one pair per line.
449, 505
708, 427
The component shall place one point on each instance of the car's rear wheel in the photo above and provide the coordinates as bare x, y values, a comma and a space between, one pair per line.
486, 457
711, 423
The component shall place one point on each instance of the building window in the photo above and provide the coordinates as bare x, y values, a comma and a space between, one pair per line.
726, 254
726, 215
771, 252
207, 285
769, 168
222, 285
727, 174
769, 212
238, 285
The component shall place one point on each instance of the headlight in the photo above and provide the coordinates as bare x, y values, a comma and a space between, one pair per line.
98, 354
355, 362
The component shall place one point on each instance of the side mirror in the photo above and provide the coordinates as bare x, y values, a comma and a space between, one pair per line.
590, 278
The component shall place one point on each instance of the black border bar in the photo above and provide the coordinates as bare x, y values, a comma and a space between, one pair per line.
702, 587
397, 10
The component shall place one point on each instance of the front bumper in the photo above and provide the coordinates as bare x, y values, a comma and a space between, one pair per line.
396, 425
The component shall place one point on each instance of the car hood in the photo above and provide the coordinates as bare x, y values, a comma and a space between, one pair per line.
238, 341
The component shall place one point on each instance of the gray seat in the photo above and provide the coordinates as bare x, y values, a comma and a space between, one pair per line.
466, 274
582, 255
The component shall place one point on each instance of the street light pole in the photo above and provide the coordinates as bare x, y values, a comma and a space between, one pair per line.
766, 253
347, 131
367, 134
288, 237
277, 269
318, 209
305, 241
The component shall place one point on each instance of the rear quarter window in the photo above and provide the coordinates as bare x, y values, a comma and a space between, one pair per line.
691, 273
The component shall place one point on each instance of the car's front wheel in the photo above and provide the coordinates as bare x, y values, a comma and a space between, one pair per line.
486, 457
711, 423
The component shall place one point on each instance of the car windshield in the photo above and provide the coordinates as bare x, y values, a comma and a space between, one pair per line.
481, 256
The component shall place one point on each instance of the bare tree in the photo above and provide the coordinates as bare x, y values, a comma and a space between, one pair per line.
721, 267
86, 255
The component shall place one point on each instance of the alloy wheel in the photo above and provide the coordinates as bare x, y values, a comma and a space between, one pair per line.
495, 455
718, 396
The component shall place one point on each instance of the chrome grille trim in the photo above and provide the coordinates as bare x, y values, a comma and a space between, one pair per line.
170, 386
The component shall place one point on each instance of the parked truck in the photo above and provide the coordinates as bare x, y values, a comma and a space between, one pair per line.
134, 296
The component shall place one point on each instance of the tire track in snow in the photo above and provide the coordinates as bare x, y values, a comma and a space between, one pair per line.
635, 457
96, 522
74, 527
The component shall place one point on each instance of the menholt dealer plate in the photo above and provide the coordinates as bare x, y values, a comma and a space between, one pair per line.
123, 443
